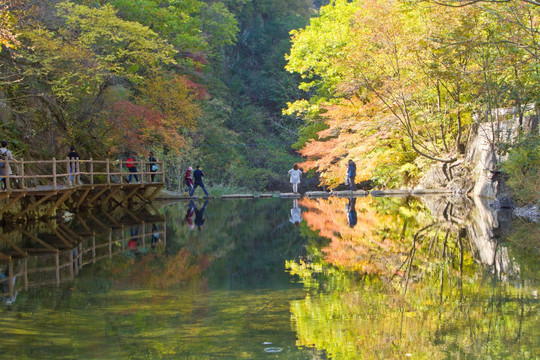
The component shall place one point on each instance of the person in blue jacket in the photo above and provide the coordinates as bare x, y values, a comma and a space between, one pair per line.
351, 174
198, 181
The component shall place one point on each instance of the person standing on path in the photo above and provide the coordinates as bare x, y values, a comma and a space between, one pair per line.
351, 174
130, 164
73, 159
188, 180
5, 169
294, 174
198, 175
153, 166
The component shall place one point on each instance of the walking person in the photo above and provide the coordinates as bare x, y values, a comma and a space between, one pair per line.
73, 159
188, 180
5, 169
351, 174
294, 174
132, 168
197, 176
153, 166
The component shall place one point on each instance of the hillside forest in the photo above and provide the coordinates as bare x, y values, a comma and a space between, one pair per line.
247, 88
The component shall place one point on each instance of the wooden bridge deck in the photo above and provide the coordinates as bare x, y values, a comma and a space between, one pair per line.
79, 183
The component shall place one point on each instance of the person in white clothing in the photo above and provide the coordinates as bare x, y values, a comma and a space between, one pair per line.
294, 174
296, 213
5, 169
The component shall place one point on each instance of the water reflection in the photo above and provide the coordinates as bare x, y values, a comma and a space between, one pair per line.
364, 278
51, 253
296, 213
351, 212
436, 281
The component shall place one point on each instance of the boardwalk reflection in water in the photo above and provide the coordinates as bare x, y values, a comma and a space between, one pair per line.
355, 279
41, 254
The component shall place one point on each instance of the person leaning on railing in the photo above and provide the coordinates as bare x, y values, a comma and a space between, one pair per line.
153, 165
73, 158
5, 169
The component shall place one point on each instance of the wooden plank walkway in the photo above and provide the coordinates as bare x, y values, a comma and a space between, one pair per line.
169, 195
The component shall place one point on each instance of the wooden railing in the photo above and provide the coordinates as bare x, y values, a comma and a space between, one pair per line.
76, 172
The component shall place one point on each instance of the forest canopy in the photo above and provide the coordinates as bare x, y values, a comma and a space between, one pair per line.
395, 84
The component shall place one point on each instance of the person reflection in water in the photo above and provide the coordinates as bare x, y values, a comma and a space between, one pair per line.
189, 214
351, 212
199, 215
133, 242
155, 235
296, 213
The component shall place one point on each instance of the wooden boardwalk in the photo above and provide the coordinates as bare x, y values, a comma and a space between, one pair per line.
74, 184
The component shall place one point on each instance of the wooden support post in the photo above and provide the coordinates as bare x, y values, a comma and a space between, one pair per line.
143, 234
123, 238
57, 263
154, 193
75, 252
142, 171
94, 247
54, 172
81, 252
69, 171
108, 172
91, 172
25, 273
110, 243
164, 227
71, 263
21, 171
7, 169
10, 278
78, 163
120, 170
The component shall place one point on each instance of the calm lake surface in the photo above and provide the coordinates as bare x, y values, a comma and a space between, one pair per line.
366, 278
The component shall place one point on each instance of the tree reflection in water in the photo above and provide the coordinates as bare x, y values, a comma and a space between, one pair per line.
423, 278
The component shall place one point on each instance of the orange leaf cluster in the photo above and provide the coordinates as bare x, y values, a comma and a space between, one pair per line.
353, 133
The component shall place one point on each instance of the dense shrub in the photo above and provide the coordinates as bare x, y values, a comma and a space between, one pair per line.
522, 168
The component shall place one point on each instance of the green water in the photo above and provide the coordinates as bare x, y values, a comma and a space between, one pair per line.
365, 279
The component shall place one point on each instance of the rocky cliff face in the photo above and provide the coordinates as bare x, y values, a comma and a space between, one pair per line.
480, 225
476, 173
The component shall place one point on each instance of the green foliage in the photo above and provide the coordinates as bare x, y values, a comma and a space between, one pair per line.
523, 169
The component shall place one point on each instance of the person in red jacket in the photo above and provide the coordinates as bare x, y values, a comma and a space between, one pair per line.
188, 179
